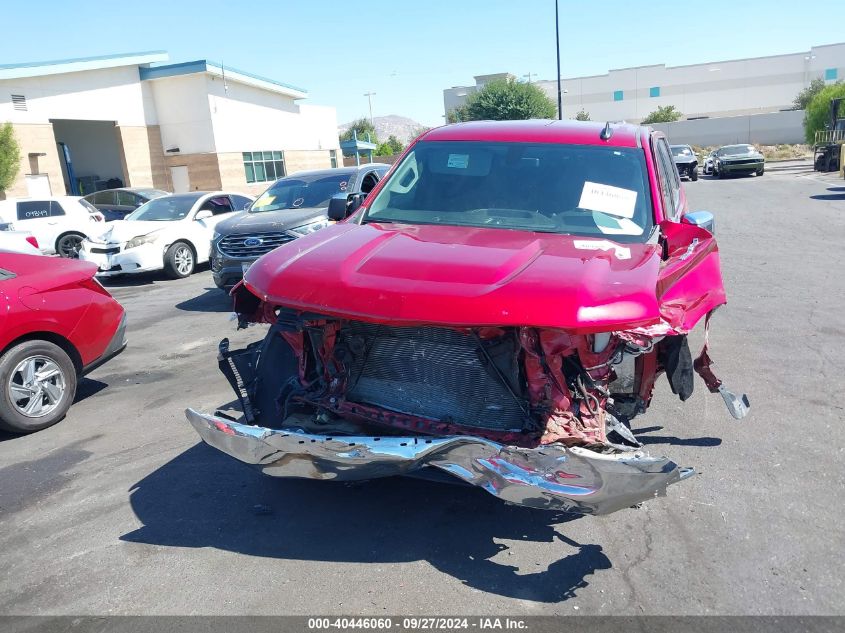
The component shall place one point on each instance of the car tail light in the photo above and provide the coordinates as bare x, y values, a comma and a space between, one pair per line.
31, 239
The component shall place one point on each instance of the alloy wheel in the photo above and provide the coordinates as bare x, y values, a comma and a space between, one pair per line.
184, 260
36, 386
69, 246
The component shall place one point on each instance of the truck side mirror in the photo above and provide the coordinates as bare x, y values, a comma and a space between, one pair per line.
702, 219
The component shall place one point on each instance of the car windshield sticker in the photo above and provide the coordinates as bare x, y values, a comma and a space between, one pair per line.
621, 252
298, 202
607, 199
612, 225
458, 161
343, 185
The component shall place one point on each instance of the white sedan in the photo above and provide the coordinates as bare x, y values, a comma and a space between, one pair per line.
171, 233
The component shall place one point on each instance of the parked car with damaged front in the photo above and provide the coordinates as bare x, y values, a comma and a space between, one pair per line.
496, 311
170, 233
685, 161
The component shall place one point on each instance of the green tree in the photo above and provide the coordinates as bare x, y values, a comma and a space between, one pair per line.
390, 147
508, 100
817, 112
582, 115
10, 156
803, 98
663, 114
457, 115
362, 126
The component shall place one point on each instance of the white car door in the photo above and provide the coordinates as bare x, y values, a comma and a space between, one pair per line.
221, 207
34, 216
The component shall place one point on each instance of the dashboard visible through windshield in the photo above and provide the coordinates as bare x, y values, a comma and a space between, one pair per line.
552, 188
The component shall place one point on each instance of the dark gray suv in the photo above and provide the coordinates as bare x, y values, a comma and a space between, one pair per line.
291, 207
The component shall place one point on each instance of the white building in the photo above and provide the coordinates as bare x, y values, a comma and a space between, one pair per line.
178, 127
716, 89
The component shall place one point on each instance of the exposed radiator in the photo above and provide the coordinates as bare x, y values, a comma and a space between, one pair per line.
429, 372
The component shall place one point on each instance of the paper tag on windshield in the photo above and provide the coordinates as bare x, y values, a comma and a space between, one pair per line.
458, 161
607, 199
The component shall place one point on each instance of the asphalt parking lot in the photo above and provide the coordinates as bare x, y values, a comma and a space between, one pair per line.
120, 509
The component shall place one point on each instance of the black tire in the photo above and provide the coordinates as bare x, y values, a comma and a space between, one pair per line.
760, 171
53, 395
180, 260
693, 174
68, 245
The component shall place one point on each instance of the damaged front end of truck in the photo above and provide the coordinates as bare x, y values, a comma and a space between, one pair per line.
535, 416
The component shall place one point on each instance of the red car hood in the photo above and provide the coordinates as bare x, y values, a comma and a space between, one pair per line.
457, 276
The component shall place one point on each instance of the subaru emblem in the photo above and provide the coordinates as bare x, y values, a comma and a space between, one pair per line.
253, 241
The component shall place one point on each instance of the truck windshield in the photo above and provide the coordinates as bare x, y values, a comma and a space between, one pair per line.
550, 188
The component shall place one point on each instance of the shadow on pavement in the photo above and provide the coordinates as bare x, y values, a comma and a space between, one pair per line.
830, 196
672, 440
203, 498
143, 279
85, 389
88, 387
212, 300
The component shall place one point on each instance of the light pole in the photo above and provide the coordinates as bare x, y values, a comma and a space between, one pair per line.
370, 96
529, 75
557, 44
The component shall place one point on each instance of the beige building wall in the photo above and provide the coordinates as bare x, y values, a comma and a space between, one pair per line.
135, 156
302, 160
158, 166
36, 138
203, 170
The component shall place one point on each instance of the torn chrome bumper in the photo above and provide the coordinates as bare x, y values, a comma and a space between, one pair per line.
551, 477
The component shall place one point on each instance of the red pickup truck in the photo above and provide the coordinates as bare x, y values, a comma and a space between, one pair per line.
497, 309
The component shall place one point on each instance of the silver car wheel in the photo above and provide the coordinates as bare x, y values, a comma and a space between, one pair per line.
36, 386
184, 260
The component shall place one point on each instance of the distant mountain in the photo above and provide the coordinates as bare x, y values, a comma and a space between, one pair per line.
401, 127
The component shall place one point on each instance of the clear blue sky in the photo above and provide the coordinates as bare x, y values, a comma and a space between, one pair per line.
408, 52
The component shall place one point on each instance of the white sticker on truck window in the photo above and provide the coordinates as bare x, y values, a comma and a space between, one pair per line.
458, 161
608, 199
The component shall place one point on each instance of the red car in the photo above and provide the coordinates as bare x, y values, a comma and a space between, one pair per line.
498, 309
56, 324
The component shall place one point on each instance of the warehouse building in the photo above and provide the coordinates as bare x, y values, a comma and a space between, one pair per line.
733, 88
133, 120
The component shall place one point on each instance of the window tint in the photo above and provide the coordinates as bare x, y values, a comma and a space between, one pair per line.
217, 205
668, 175
104, 197
56, 209
369, 182
127, 199
240, 202
33, 209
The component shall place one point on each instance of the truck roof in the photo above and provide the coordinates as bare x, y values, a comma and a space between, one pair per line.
539, 131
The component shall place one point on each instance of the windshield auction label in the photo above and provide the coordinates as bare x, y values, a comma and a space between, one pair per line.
607, 199
458, 161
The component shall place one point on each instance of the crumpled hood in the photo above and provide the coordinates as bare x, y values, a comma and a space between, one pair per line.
124, 230
425, 274
281, 220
